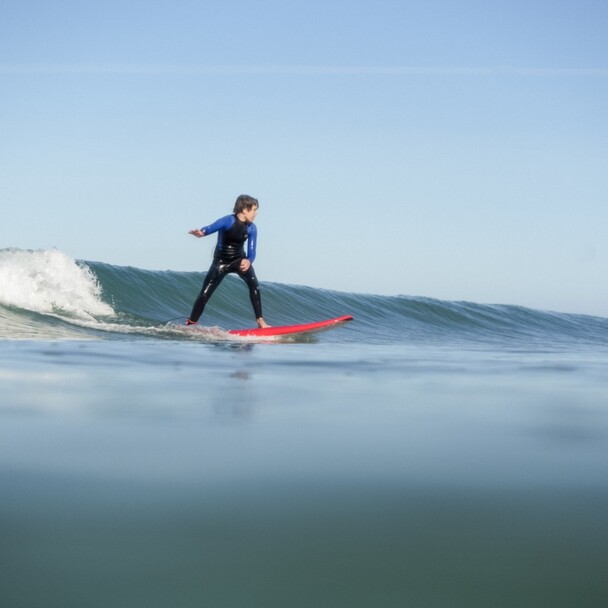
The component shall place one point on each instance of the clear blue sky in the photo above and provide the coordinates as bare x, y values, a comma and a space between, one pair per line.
455, 150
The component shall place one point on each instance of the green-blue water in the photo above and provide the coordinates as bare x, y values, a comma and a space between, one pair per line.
427, 454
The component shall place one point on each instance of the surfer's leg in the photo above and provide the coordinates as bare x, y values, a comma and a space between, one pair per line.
254, 293
212, 280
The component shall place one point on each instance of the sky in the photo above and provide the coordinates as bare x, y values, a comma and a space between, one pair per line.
439, 148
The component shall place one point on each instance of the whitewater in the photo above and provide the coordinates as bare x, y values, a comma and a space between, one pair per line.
429, 453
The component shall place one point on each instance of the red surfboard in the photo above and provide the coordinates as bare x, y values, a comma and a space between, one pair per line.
285, 330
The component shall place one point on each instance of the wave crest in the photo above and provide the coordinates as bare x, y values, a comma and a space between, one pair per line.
50, 282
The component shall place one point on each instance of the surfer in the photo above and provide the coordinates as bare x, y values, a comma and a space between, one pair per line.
229, 256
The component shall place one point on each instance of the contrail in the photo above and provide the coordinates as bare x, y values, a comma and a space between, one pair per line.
290, 70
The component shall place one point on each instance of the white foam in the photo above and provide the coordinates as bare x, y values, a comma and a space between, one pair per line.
50, 282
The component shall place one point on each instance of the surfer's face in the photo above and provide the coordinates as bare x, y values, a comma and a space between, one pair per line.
249, 214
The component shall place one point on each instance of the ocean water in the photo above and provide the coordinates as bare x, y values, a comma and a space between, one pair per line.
427, 454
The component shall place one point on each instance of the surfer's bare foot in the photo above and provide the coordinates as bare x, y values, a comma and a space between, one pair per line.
262, 323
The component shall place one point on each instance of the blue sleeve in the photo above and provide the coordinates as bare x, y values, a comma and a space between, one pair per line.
222, 224
252, 242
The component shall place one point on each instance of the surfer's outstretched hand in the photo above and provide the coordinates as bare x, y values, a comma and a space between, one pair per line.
197, 233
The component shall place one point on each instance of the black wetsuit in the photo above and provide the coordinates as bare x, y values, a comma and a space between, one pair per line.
229, 251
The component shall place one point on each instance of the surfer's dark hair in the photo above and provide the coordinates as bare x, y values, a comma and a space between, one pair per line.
245, 202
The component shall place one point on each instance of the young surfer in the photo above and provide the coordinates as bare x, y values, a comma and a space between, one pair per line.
229, 256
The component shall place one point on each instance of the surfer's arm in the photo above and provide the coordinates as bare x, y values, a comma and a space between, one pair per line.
222, 224
252, 242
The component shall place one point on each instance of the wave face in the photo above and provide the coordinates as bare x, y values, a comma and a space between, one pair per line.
46, 294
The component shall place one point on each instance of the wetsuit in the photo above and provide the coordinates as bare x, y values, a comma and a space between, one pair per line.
229, 251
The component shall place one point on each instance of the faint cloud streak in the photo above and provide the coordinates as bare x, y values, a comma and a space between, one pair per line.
289, 70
